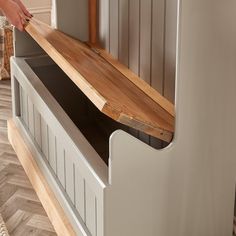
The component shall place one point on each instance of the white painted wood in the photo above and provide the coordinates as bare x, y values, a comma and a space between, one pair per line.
77, 223
80, 193
40, 9
124, 32
145, 47
52, 154
76, 14
24, 107
61, 162
93, 169
44, 138
188, 188
134, 35
170, 49
73, 216
21, 102
142, 35
100, 217
91, 210
158, 43
104, 16
113, 34
37, 128
30, 116
70, 175
16, 97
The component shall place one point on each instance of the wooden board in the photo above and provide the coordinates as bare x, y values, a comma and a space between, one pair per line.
109, 90
45, 194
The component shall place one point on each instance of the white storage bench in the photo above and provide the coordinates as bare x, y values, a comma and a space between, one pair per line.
77, 171
112, 184
71, 139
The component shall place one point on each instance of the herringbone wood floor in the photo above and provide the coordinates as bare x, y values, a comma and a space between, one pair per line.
19, 204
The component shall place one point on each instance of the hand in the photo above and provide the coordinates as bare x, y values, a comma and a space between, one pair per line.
23, 8
14, 13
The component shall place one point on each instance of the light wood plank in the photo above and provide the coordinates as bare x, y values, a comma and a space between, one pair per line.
47, 197
93, 21
105, 86
40, 222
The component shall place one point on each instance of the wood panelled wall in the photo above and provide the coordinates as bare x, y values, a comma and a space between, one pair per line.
142, 35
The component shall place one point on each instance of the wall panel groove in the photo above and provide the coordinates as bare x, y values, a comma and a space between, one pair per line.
142, 35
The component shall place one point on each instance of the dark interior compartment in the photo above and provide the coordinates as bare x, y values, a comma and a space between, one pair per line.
93, 124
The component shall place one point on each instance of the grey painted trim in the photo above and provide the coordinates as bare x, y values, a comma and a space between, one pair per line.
74, 218
61, 123
24, 45
76, 159
76, 14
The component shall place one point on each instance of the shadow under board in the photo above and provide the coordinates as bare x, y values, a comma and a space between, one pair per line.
94, 125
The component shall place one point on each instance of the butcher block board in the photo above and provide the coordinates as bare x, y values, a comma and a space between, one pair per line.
106, 87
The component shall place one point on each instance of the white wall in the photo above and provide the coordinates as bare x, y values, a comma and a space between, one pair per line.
40, 9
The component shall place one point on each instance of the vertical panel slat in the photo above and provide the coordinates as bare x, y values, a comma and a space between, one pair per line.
114, 28
91, 210
143, 35
52, 149
170, 49
145, 39
61, 163
44, 140
79, 193
134, 33
145, 46
24, 107
157, 56
21, 103
158, 31
104, 23
70, 175
100, 214
16, 98
31, 116
37, 127
124, 32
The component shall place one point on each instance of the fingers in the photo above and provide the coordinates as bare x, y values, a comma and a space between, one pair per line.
23, 8
15, 14
21, 22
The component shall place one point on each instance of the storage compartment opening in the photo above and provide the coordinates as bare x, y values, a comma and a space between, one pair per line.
93, 124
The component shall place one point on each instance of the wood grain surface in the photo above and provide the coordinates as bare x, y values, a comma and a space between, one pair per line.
109, 90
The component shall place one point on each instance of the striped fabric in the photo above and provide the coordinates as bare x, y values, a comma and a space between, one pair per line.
3, 228
6, 47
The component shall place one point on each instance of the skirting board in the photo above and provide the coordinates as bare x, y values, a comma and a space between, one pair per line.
51, 205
